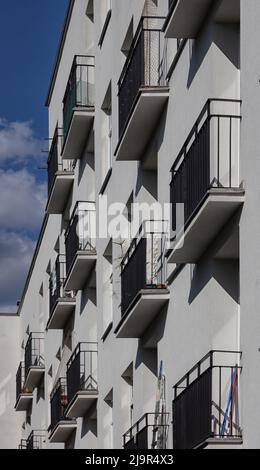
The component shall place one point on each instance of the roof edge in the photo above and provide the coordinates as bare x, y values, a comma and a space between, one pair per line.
59, 51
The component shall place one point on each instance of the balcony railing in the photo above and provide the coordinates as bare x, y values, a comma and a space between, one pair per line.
145, 66
55, 164
23, 444
34, 352
82, 370
20, 379
148, 433
81, 233
36, 440
209, 158
57, 280
206, 402
80, 89
143, 266
59, 402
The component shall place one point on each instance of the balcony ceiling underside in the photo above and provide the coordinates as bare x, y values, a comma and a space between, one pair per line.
61, 314
62, 431
188, 16
81, 403
212, 443
24, 401
80, 126
142, 123
34, 376
60, 192
215, 212
148, 305
80, 271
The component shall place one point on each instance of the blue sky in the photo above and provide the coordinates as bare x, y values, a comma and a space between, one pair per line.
29, 34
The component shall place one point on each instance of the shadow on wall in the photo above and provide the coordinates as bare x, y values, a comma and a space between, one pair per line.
89, 422
147, 357
88, 295
226, 38
87, 159
225, 273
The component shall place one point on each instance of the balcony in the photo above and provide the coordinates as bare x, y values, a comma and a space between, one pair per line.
33, 360
82, 380
62, 302
80, 243
143, 92
36, 440
61, 427
185, 18
205, 188
78, 107
149, 432
144, 293
206, 403
60, 179
24, 395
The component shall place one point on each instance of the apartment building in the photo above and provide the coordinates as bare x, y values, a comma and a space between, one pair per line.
147, 335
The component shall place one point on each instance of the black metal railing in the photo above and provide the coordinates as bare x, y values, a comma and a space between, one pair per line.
143, 265
206, 401
55, 163
20, 379
148, 433
80, 89
58, 403
209, 158
145, 66
82, 370
56, 283
33, 356
35, 440
81, 232
23, 444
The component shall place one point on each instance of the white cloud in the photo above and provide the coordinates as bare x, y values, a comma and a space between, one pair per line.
15, 254
22, 200
17, 141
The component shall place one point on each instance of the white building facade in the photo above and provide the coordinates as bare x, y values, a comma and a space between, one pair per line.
152, 104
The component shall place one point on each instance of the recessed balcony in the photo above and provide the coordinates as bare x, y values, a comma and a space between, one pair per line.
24, 395
78, 107
143, 290
62, 302
60, 178
80, 243
206, 189
34, 360
82, 380
143, 92
150, 432
205, 408
61, 427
